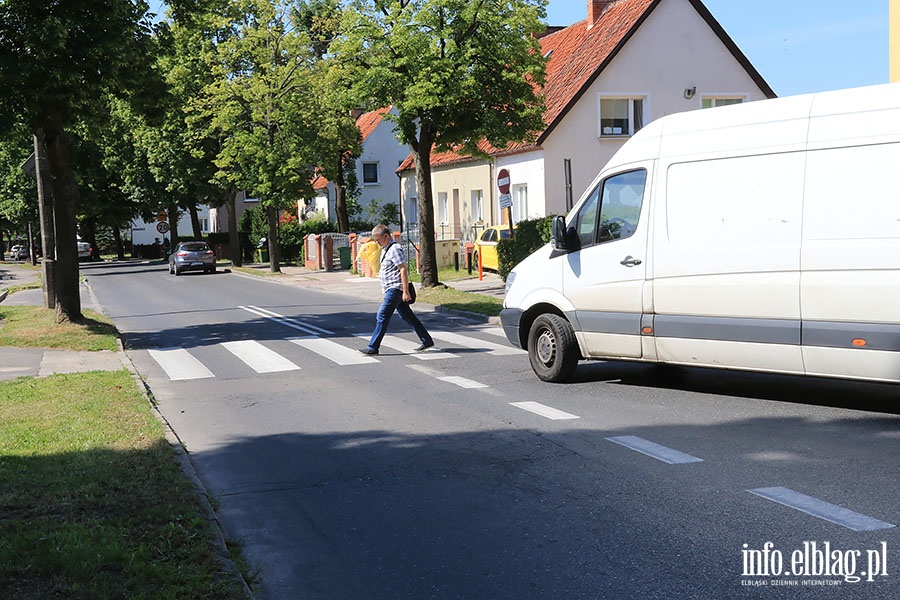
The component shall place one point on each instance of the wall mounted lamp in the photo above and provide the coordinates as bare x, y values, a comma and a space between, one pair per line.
690, 92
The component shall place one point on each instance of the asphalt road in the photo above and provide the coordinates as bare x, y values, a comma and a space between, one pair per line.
457, 474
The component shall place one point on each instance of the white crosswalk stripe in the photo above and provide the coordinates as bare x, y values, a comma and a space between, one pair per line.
179, 364
258, 357
333, 351
408, 347
474, 343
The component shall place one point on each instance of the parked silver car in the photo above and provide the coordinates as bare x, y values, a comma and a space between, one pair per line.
192, 256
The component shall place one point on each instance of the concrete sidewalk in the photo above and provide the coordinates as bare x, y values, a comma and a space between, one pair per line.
41, 362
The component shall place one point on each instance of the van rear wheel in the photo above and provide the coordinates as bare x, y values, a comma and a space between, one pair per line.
552, 348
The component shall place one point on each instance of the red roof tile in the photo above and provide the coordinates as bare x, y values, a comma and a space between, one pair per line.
367, 122
319, 182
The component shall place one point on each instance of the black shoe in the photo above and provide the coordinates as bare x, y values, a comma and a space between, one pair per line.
368, 351
425, 346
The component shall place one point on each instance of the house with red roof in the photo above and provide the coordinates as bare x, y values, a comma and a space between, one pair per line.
628, 63
376, 168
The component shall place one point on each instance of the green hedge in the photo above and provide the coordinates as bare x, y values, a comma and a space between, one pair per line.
529, 235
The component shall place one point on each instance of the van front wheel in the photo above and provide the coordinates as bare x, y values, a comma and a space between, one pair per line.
552, 348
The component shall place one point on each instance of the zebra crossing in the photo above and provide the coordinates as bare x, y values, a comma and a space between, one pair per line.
273, 356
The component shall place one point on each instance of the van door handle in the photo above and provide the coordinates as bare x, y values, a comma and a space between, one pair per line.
630, 261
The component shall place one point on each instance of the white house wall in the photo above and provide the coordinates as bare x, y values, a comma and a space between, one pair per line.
145, 232
673, 50
524, 169
382, 147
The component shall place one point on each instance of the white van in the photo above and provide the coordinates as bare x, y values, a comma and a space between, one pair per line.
761, 236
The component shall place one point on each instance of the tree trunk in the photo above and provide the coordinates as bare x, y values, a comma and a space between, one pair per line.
421, 152
65, 204
120, 248
195, 222
48, 224
274, 258
340, 197
173, 229
234, 237
89, 229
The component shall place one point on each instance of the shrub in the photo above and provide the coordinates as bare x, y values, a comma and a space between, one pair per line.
529, 235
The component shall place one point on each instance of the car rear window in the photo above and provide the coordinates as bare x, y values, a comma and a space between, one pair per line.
194, 247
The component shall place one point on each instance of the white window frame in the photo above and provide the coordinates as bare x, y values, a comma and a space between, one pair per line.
643, 111
377, 171
443, 208
725, 99
519, 202
478, 205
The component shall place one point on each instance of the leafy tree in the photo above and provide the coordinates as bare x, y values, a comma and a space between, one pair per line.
18, 191
261, 105
58, 63
338, 142
456, 71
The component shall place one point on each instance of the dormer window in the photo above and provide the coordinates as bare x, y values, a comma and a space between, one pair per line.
620, 116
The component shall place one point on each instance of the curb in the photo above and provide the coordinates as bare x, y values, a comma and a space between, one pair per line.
183, 457
3, 295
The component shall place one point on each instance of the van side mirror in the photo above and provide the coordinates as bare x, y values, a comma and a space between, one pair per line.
559, 233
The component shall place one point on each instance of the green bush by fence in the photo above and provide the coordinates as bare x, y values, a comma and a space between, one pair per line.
529, 235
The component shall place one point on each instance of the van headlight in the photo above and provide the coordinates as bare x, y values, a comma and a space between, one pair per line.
509, 281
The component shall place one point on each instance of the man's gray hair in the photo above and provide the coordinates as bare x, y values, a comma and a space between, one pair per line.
381, 229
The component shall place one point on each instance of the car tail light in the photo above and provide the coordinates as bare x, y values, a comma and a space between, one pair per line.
208, 253
181, 254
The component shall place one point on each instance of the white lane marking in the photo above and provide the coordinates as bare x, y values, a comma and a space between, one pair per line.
258, 357
462, 382
299, 325
667, 455
469, 342
407, 347
821, 509
179, 364
544, 410
493, 330
333, 351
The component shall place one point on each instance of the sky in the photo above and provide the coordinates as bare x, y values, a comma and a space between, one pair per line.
798, 46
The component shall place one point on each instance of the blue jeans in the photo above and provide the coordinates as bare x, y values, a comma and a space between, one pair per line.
393, 301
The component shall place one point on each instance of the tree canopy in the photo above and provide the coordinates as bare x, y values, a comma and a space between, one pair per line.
457, 72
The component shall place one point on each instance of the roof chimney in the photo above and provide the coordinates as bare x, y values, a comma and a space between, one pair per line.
357, 112
595, 9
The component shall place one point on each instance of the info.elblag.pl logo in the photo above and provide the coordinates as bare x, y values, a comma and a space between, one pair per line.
813, 563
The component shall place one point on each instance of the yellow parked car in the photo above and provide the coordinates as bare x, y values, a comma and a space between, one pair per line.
486, 246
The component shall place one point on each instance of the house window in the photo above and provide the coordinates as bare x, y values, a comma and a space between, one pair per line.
714, 101
621, 117
412, 212
520, 202
204, 225
443, 208
370, 172
478, 205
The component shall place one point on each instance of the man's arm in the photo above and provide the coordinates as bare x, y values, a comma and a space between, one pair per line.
404, 282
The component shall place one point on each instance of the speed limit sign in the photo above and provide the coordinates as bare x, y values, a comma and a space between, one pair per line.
162, 227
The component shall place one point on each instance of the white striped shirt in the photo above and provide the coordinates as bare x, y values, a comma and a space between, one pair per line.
392, 256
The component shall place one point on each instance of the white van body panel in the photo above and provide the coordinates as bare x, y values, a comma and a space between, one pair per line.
769, 240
